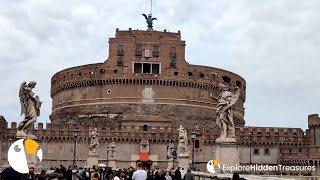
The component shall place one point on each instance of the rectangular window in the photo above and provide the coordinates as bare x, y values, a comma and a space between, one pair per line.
146, 68
137, 67
213, 76
155, 52
155, 48
256, 151
155, 68
266, 152
172, 50
138, 48
120, 48
197, 144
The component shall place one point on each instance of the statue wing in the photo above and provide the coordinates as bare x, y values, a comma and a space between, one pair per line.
154, 19
145, 16
22, 97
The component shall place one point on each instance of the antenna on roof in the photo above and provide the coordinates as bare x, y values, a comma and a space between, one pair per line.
151, 8
149, 19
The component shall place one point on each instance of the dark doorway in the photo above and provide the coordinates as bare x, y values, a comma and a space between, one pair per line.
146, 164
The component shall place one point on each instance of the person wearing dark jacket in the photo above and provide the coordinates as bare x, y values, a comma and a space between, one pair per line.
177, 174
10, 174
188, 175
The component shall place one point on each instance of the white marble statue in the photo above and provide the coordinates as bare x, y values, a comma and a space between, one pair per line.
183, 141
224, 119
170, 151
112, 150
30, 108
94, 141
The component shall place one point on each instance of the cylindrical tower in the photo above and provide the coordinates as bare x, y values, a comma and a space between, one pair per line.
145, 81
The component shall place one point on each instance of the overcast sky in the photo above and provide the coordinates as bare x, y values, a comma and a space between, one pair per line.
273, 44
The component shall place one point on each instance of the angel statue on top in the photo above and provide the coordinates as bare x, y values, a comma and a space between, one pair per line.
149, 20
94, 143
30, 108
224, 118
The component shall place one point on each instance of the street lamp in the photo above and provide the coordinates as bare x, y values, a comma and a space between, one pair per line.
108, 147
249, 139
75, 134
193, 136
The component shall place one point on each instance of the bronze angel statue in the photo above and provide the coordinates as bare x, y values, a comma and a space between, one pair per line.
224, 118
94, 143
30, 108
149, 20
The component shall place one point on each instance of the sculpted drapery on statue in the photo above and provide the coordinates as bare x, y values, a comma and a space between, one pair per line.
30, 108
224, 118
149, 20
183, 141
94, 141
170, 151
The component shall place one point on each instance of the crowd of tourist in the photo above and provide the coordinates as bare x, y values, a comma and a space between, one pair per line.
96, 173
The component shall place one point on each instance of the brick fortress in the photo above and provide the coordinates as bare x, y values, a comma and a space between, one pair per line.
140, 96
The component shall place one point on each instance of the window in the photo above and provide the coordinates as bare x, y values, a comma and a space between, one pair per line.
259, 133
91, 73
176, 73
190, 74
256, 151
173, 52
238, 83
120, 50
201, 75
79, 74
266, 152
213, 76
138, 50
102, 71
300, 150
197, 144
173, 63
146, 68
226, 79
155, 52
155, 68
145, 127
120, 61
115, 71
137, 67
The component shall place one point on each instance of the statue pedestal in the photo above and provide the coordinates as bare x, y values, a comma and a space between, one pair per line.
92, 160
227, 153
184, 161
170, 165
112, 163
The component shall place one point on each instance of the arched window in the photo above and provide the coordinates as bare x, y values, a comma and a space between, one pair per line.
226, 79
238, 83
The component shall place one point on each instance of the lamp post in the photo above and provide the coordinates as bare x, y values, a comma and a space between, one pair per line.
108, 147
193, 136
75, 134
249, 139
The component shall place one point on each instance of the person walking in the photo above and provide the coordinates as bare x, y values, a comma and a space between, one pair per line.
139, 174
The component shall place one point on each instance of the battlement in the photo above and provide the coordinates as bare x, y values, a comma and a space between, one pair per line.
270, 131
313, 120
166, 35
